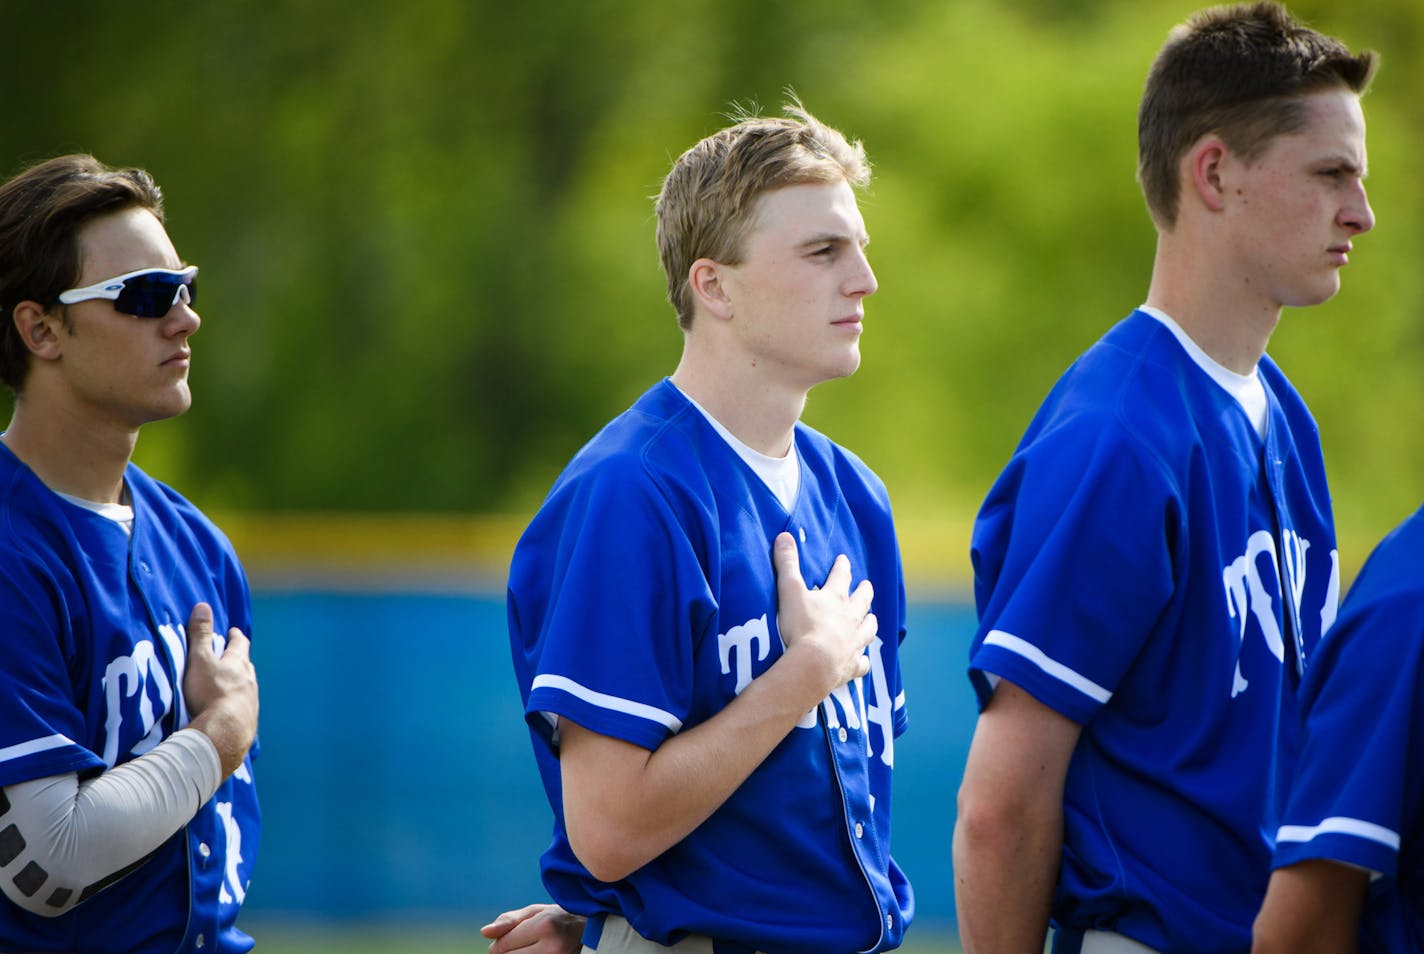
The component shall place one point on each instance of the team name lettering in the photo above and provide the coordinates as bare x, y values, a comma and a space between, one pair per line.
131, 678
742, 646
139, 685
851, 702
1247, 596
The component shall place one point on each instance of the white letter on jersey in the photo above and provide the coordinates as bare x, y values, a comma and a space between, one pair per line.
1294, 562
233, 890
1332, 595
882, 713
737, 642
1244, 591
124, 678
851, 703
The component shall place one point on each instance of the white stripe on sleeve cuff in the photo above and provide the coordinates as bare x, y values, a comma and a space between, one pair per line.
1052, 667
604, 701
1340, 826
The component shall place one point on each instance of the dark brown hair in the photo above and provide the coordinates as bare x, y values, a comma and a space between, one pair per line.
42, 210
1240, 72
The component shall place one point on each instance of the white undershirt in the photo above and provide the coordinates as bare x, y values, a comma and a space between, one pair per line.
782, 475
1246, 389
122, 514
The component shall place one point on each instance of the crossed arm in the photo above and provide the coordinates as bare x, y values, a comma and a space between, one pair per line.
625, 805
60, 836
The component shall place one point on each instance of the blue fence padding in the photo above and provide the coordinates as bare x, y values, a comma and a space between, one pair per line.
397, 779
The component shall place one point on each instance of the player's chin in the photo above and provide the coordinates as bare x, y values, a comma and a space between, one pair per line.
175, 401
848, 364
1318, 292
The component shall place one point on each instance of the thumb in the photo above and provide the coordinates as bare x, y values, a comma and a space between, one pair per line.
785, 559
200, 627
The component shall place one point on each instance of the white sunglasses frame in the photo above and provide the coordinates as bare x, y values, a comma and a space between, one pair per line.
111, 288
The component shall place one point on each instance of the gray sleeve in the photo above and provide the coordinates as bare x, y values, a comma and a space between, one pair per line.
61, 839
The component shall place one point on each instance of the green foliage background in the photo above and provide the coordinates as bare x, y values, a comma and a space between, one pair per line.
427, 244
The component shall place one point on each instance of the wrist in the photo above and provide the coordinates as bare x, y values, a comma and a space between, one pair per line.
811, 669
228, 732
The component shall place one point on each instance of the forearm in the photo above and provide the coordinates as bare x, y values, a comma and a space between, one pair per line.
1003, 887
1313, 906
71, 835
1008, 838
624, 805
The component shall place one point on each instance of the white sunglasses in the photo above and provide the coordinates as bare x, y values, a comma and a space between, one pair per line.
146, 293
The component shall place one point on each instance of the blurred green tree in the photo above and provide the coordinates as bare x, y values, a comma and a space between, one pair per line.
427, 240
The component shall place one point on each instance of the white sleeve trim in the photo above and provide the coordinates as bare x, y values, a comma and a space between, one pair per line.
60, 838
1052, 667
1341, 826
605, 701
33, 746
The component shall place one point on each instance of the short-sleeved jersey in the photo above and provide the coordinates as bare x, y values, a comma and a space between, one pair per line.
642, 599
1358, 791
1150, 567
91, 677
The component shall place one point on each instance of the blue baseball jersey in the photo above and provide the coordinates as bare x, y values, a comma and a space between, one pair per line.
1358, 792
1150, 567
642, 600
92, 676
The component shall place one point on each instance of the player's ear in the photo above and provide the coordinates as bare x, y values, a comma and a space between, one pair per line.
1204, 172
709, 283
38, 328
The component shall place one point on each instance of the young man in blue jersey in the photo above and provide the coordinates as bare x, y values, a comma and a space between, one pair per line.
1350, 847
128, 817
1158, 559
716, 738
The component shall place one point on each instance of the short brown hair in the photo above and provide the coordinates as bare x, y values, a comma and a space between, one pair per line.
706, 203
42, 210
1238, 71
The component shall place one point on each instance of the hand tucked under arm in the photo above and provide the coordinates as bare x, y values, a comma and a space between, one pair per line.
60, 836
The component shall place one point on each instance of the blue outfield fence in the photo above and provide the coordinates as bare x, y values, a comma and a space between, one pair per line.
397, 780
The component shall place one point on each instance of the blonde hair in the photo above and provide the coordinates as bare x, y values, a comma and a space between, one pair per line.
707, 200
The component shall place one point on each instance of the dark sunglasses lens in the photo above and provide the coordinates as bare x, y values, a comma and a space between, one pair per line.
151, 296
